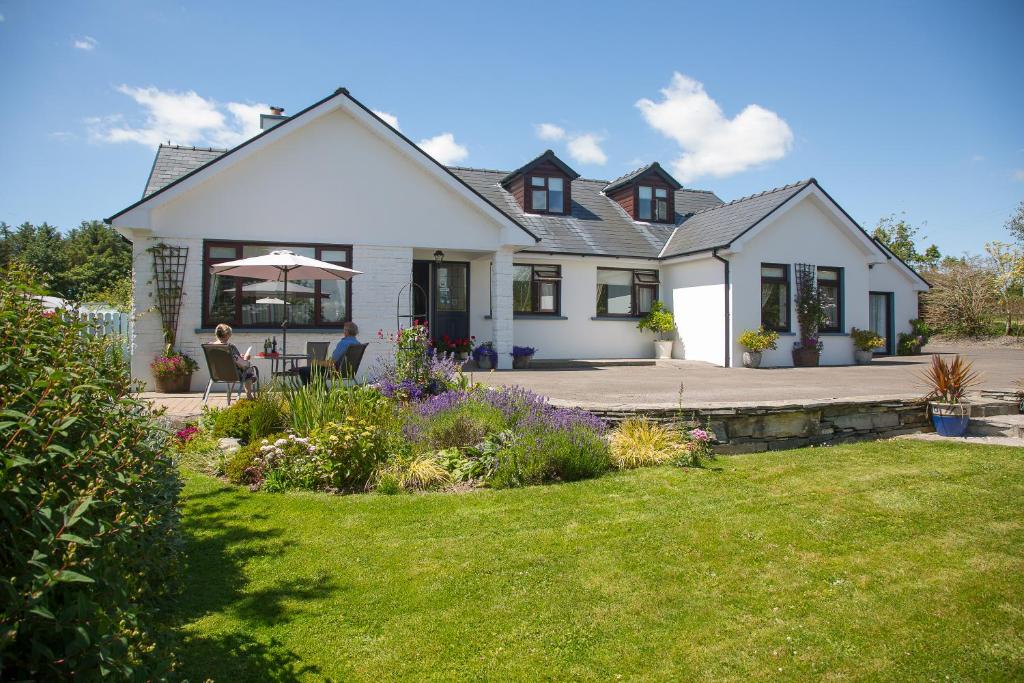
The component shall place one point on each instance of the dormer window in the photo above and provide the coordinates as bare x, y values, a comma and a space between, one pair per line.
544, 185
652, 203
547, 194
646, 194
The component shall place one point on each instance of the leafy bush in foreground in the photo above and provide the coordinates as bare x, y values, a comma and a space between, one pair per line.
89, 540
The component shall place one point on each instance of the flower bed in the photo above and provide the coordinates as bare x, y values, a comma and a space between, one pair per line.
418, 425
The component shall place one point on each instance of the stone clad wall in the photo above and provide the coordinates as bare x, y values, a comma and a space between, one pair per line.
764, 428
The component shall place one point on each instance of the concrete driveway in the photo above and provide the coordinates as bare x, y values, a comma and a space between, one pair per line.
658, 385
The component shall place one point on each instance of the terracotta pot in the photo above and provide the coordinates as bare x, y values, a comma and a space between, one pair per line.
663, 349
174, 384
751, 359
521, 362
806, 358
862, 357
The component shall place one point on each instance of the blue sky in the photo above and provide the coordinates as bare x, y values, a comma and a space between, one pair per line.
893, 107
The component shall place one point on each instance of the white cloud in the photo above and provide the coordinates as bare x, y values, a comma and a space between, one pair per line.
712, 144
183, 118
444, 148
87, 43
1019, 175
389, 119
586, 149
549, 131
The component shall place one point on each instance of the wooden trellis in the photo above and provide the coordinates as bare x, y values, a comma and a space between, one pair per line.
169, 279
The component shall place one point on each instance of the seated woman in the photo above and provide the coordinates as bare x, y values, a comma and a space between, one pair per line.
348, 338
250, 374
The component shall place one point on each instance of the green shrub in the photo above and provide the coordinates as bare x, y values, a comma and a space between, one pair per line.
639, 442
349, 451
866, 340
89, 538
759, 340
243, 466
463, 426
250, 420
541, 455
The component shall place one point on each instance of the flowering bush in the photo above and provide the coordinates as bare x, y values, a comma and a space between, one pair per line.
486, 350
522, 351
460, 345
348, 451
698, 449
186, 434
415, 370
759, 340
173, 364
866, 340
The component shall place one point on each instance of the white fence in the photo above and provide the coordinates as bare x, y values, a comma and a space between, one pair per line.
109, 324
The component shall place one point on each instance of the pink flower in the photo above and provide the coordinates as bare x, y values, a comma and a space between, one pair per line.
699, 435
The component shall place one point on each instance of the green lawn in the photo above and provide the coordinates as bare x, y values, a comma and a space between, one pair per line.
890, 560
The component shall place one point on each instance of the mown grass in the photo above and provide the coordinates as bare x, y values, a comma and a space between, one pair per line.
893, 560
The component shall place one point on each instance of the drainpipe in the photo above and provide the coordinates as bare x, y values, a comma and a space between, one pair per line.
728, 341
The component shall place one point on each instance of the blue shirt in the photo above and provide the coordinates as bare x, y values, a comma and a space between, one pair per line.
342, 347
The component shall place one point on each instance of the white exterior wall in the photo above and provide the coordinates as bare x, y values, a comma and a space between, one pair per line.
331, 181
805, 233
575, 333
694, 291
889, 277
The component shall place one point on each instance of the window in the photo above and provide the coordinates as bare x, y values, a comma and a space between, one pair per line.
775, 296
536, 289
547, 194
247, 302
830, 285
652, 203
626, 292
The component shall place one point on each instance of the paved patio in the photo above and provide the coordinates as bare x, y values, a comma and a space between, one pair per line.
657, 385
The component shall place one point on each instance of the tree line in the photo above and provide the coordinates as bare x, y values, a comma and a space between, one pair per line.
90, 263
971, 295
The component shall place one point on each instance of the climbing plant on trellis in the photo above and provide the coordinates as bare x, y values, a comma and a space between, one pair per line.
169, 279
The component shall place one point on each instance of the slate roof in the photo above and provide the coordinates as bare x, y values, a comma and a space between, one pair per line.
718, 226
636, 173
174, 161
596, 225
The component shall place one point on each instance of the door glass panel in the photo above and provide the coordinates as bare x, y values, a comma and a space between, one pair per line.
451, 288
878, 316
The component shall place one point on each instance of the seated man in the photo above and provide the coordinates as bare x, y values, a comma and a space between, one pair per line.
348, 338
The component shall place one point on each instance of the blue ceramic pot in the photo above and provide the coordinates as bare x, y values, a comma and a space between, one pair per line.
950, 419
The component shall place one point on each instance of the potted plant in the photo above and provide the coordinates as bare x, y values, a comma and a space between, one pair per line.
757, 342
864, 344
660, 322
521, 357
173, 372
485, 356
948, 383
810, 316
461, 348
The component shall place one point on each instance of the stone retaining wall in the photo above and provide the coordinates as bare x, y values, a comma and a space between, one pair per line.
764, 428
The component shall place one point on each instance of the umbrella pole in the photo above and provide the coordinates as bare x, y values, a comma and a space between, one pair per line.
284, 321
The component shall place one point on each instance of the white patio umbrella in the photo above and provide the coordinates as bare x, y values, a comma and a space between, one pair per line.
280, 266
273, 287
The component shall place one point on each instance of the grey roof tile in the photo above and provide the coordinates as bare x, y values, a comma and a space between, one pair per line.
718, 226
175, 161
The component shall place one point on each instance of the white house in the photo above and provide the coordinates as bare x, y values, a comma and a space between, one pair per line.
536, 257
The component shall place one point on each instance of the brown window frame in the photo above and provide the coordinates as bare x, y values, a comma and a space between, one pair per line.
535, 287
237, 245
838, 327
785, 280
669, 218
634, 290
529, 189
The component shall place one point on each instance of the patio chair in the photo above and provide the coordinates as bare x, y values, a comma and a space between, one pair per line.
347, 367
316, 351
223, 369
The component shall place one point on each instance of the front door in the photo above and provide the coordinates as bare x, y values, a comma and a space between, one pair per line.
447, 288
880, 319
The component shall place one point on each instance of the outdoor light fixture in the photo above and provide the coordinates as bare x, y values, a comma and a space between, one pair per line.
438, 257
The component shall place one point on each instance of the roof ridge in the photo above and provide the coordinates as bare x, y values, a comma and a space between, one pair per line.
756, 194
193, 148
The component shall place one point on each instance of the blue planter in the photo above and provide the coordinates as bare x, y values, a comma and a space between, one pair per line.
950, 420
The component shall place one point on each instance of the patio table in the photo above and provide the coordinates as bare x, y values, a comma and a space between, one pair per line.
282, 363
